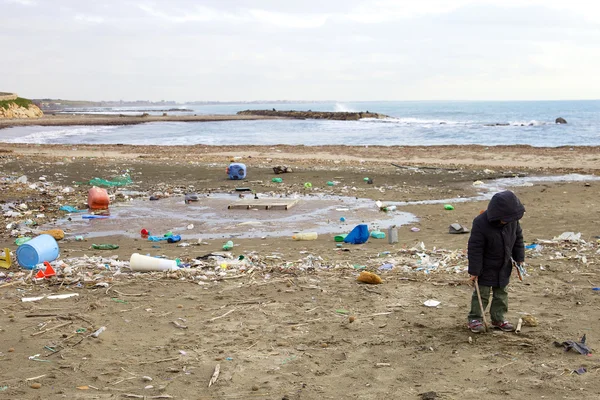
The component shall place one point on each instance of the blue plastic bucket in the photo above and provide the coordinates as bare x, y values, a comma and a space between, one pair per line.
36, 251
236, 171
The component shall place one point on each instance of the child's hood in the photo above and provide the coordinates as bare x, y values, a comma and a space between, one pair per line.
505, 206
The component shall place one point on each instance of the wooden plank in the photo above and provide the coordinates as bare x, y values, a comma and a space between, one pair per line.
264, 204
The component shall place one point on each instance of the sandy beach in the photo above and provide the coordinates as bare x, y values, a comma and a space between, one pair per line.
283, 330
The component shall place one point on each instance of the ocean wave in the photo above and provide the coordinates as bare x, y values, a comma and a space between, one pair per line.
533, 122
339, 107
49, 136
416, 121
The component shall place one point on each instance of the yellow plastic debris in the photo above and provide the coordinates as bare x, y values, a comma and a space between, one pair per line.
5, 259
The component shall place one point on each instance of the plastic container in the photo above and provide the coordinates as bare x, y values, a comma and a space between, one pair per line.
98, 198
340, 238
228, 245
378, 235
277, 180
174, 238
141, 263
236, 171
305, 236
36, 251
389, 208
392, 234
190, 197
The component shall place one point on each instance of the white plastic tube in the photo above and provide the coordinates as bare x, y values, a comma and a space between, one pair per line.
142, 263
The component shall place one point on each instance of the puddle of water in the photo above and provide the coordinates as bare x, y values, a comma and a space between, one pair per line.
212, 219
487, 190
319, 213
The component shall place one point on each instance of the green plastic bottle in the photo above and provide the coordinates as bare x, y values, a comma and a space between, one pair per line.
22, 240
228, 245
105, 246
448, 207
277, 180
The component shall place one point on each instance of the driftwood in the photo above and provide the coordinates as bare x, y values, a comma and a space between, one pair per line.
215, 375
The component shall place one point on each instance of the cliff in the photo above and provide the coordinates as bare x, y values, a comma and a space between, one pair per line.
19, 108
341, 116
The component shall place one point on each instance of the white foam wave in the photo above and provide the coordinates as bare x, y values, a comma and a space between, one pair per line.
48, 136
533, 122
339, 107
416, 121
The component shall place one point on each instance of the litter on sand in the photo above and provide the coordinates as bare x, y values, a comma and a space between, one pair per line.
457, 228
579, 347
432, 303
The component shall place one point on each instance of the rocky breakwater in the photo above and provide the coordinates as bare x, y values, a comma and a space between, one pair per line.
19, 108
339, 116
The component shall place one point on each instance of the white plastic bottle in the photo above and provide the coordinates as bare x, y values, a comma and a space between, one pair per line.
305, 236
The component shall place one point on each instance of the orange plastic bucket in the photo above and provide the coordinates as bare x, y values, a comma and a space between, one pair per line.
98, 198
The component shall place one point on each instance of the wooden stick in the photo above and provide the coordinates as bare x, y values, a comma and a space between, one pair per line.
485, 326
51, 329
380, 313
34, 378
519, 324
252, 346
128, 294
159, 361
221, 316
215, 375
41, 315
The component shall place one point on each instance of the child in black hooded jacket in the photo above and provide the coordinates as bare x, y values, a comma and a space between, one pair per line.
496, 239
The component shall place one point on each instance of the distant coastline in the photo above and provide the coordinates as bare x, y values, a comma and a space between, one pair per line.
106, 119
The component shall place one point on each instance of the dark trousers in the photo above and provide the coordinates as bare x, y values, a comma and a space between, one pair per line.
499, 305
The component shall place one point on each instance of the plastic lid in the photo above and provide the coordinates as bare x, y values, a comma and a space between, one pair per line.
27, 256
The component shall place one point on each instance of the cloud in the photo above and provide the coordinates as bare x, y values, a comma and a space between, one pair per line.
22, 2
93, 19
315, 49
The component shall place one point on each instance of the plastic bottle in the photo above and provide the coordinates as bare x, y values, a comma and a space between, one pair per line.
392, 234
105, 246
277, 180
22, 240
448, 207
228, 245
378, 235
305, 236
156, 238
330, 183
389, 208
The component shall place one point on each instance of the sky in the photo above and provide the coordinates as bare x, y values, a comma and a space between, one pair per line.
344, 50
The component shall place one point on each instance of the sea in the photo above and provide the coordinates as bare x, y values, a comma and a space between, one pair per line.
410, 123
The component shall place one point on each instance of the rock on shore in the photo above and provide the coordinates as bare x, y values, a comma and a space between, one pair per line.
341, 116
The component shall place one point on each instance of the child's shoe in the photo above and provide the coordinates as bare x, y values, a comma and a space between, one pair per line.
503, 325
476, 326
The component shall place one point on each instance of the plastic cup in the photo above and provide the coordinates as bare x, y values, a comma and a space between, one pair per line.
36, 251
141, 263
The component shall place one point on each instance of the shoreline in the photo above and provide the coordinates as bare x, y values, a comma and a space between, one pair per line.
514, 157
107, 119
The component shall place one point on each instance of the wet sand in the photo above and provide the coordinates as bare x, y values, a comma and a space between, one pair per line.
103, 119
285, 337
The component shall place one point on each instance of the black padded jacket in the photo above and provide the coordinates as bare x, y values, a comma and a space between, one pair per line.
492, 244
